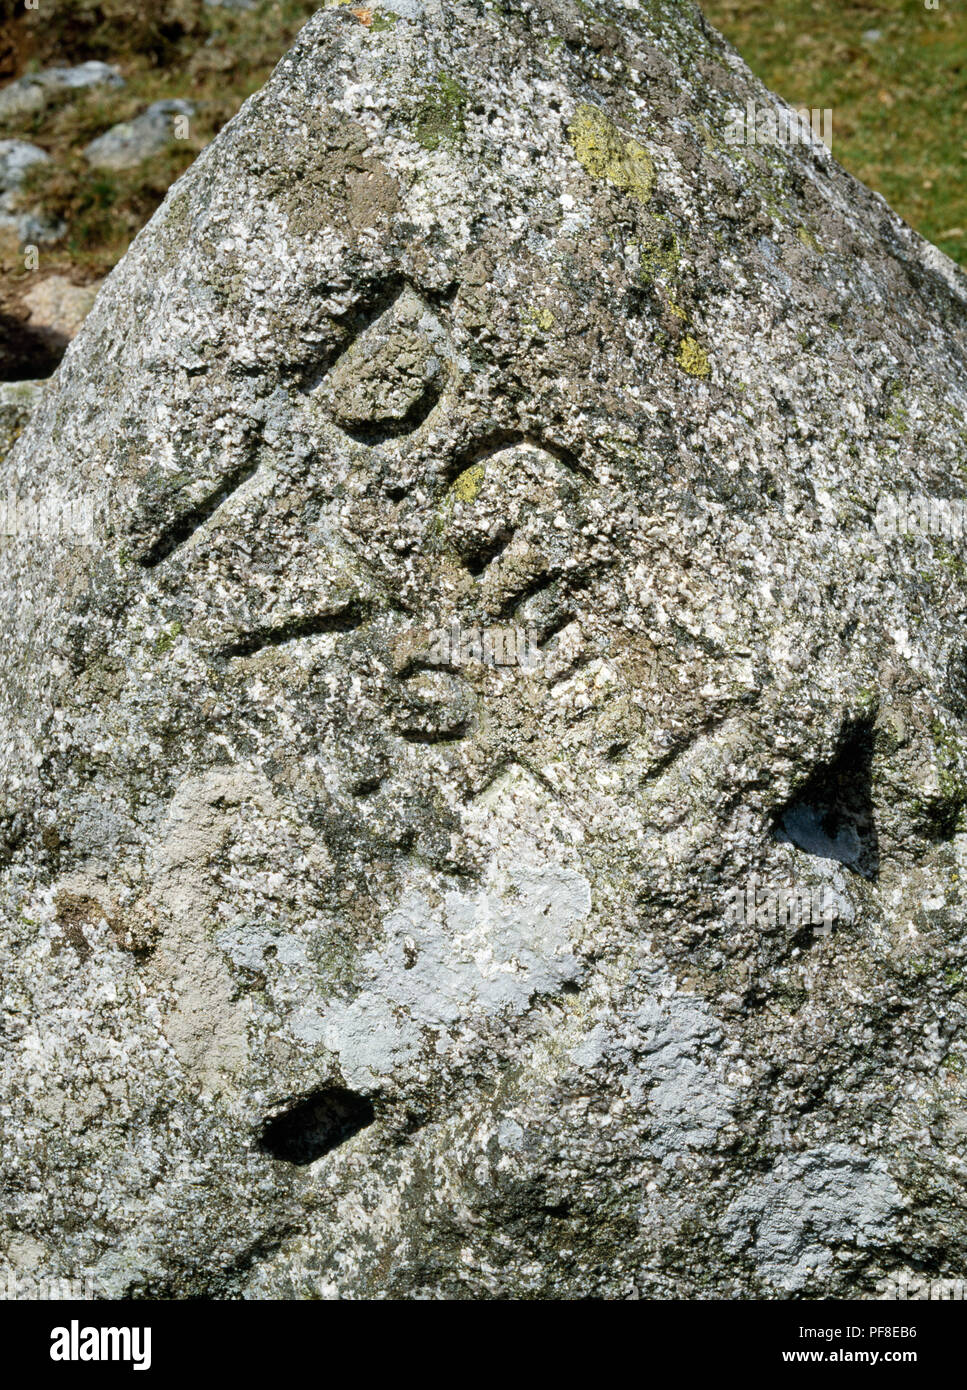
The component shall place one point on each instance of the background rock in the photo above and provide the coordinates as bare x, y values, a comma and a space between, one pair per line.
127, 144
58, 308
16, 157
29, 224
31, 93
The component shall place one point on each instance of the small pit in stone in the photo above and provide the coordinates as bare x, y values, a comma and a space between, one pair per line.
315, 1126
831, 816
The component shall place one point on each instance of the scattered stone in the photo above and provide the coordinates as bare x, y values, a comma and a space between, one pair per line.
16, 157
58, 307
89, 74
32, 92
126, 145
21, 98
29, 225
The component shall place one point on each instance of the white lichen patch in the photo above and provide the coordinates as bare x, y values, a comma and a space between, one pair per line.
792, 1221
487, 953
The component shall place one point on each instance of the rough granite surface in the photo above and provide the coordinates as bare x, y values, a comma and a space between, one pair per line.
329, 970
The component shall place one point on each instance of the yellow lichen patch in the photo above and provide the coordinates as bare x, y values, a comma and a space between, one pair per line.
364, 16
607, 153
659, 257
539, 318
693, 358
468, 484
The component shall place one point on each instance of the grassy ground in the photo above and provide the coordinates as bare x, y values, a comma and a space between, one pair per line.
899, 100
164, 48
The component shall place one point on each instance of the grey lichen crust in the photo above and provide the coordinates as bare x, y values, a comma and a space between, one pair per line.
332, 970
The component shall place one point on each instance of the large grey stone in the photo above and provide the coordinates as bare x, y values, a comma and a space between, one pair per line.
343, 957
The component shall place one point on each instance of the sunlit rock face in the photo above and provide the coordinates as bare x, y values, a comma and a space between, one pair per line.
447, 611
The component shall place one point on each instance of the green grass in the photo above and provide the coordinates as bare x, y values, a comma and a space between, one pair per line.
899, 102
170, 48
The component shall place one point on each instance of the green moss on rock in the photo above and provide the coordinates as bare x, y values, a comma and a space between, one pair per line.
441, 116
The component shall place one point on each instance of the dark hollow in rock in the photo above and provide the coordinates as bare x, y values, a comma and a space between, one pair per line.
831, 816
316, 1126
